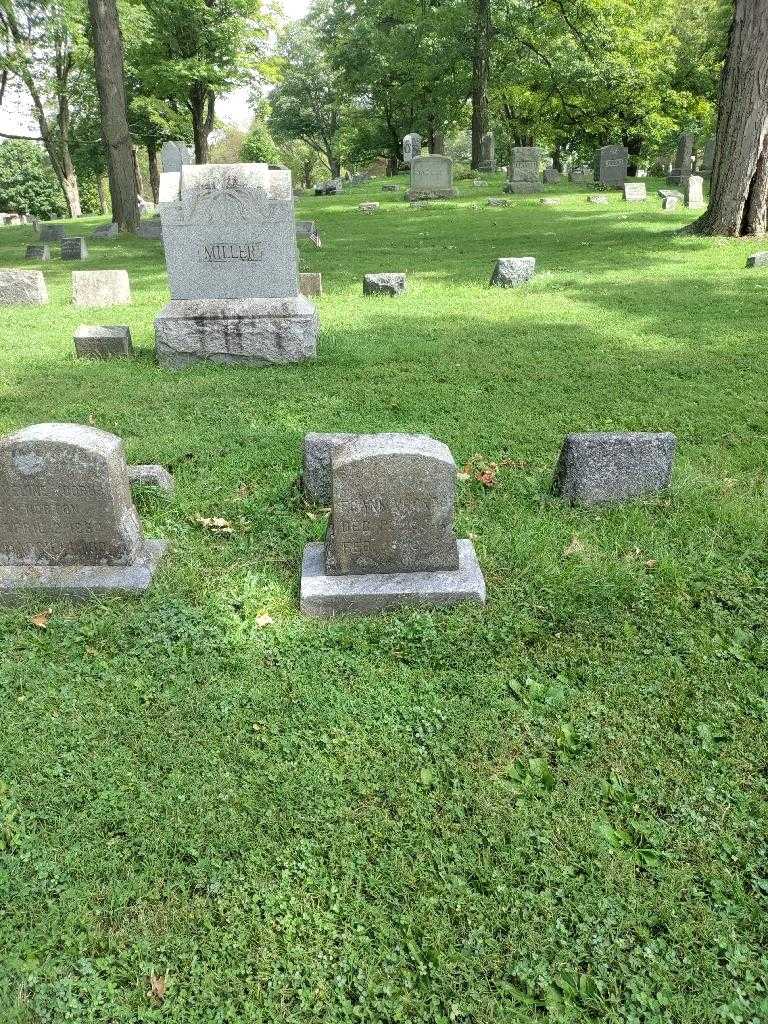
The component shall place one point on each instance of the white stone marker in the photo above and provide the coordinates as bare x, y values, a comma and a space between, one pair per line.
694, 192
411, 147
101, 288
22, 288
635, 191
431, 178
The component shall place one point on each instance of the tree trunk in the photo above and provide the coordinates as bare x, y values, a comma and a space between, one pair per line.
108, 54
737, 203
201, 104
437, 146
335, 166
480, 79
154, 172
393, 162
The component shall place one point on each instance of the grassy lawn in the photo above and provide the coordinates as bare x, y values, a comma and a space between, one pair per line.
550, 809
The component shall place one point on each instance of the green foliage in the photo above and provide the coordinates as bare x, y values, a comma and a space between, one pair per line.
552, 809
258, 146
27, 181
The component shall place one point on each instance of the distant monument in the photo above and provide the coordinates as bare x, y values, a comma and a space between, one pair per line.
411, 147
524, 174
487, 153
611, 165
681, 171
431, 178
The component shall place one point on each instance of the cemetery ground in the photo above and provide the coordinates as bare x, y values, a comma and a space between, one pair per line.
553, 807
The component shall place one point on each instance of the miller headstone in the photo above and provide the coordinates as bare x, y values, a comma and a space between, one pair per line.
611, 165
431, 178
523, 173
611, 467
390, 541
67, 522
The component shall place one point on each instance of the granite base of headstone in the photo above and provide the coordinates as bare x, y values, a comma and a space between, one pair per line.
232, 260
599, 468
431, 178
22, 288
96, 288
511, 271
311, 284
67, 522
103, 342
151, 475
390, 541
38, 251
74, 248
384, 284
757, 259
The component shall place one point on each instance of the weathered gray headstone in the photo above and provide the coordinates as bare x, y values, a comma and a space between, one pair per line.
496, 201
479, 183
383, 284
318, 453
411, 147
232, 259
311, 284
694, 192
391, 540
152, 228
368, 207
669, 203
487, 153
665, 193
38, 251
390, 188
582, 176
22, 288
105, 342
52, 232
523, 173
609, 467
611, 165
598, 199
174, 156
681, 169
707, 158
757, 259
308, 229
74, 248
635, 191
511, 271
552, 176
67, 522
101, 288
152, 475
106, 231
431, 178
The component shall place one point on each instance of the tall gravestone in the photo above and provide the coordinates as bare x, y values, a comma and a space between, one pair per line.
431, 178
230, 249
611, 165
681, 170
707, 158
67, 522
487, 153
411, 147
694, 192
174, 155
391, 539
524, 173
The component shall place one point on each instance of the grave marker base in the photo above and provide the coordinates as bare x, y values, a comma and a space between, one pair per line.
417, 195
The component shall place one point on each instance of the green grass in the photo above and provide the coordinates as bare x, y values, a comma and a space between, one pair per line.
549, 809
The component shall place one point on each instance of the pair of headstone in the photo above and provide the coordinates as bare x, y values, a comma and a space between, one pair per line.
232, 259
411, 147
523, 172
67, 522
431, 178
390, 541
611, 164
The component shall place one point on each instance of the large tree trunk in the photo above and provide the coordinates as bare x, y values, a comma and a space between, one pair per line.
738, 191
108, 53
201, 105
480, 79
154, 172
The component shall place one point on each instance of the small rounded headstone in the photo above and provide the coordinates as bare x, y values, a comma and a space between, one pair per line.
383, 284
511, 271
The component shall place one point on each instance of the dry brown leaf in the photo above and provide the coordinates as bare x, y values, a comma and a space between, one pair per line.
157, 987
264, 620
463, 475
650, 563
576, 547
41, 619
215, 524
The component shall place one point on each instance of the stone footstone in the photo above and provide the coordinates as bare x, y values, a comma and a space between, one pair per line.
511, 271
383, 284
669, 203
67, 522
319, 450
22, 288
612, 467
635, 192
106, 231
248, 332
368, 207
152, 475
598, 200
478, 183
664, 193
110, 342
311, 284
52, 232
496, 201
74, 248
37, 251
151, 229
758, 259
551, 201
94, 288
390, 188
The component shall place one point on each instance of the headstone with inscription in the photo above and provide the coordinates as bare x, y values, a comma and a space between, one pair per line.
174, 155
232, 259
707, 158
411, 147
390, 541
681, 169
487, 153
523, 173
431, 178
38, 251
582, 176
67, 522
552, 176
611, 165
52, 232
694, 192
74, 248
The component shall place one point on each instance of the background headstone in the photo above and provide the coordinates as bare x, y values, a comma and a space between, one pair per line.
609, 467
487, 153
757, 259
694, 192
707, 158
101, 288
383, 284
523, 173
511, 271
311, 284
681, 169
316, 475
431, 178
411, 147
52, 232
22, 288
611, 165
635, 191
669, 203
552, 176
106, 231
174, 156
74, 248
104, 342
582, 176
38, 251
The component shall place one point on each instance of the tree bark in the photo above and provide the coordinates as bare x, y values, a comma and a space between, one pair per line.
154, 172
108, 54
201, 104
480, 79
737, 203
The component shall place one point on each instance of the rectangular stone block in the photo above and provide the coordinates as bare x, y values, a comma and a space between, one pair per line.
758, 259
22, 288
41, 252
431, 178
103, 342
151, 229
612, 467
611, 165
694, 192
106, 231
74, 248
250, 332
524, 173
511, 271
635, 191
311, 284
384, 284
95, 288
319, 450
52, 232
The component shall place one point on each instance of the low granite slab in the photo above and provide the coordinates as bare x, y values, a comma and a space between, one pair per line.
95, 288
319, 450
22, 288
390, 188
511, 271
611, 467
152, 475
635, 192
325, 596
103, 342
368, 207
38, 251
74, 248
598, 200
311, 284
248, 332
151, 229
549, 201
384, 284
52, 232
669, 203
496, 201
664, 193
106, 231
758, 259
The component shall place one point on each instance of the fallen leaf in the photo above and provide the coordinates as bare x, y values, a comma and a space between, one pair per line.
650, 563
215, 524
41, 619
264, 620
157, 987
576, 547
464, 476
